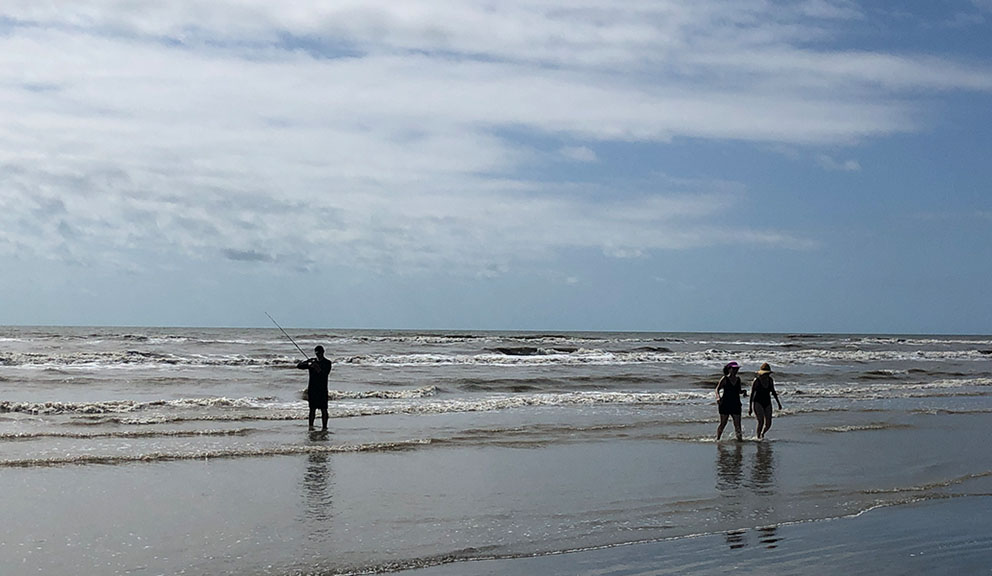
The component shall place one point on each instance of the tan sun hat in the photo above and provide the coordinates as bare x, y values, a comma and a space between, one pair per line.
765, 369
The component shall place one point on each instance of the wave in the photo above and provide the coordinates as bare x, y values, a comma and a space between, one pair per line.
127, 434
124, 406
866, 427
422, 392
883, 374
137, 358
534, 351
569, 352
536, 435
128, 406
922, 341
154, 419
69, 407
428, 400
550, 383
950, 412
931, 486
945, 387
531, 356
285, 450
252, 409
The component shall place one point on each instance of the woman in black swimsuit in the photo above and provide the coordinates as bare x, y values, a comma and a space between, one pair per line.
762, 391
730, 403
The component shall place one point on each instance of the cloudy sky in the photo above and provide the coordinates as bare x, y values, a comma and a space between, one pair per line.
730, 165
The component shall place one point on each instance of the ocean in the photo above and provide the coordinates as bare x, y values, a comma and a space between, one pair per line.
186, 451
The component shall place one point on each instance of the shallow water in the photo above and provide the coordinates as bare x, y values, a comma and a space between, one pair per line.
944, 536
186, 451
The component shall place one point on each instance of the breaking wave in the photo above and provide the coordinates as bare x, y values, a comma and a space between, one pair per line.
128, 406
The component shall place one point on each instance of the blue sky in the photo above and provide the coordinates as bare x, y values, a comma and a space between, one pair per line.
745, 165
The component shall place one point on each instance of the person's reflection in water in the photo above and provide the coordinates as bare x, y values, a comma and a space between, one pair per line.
763, 471
747, 498
317, 502
730, 467
762, 484
769, 536
729, 481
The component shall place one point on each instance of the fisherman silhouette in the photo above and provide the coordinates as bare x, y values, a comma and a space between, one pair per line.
320, 368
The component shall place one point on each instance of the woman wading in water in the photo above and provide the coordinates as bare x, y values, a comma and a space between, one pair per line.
762, 391
729, 403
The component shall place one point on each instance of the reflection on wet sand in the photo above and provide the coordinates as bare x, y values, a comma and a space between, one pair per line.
767, 537
743, 493
317, 492
763, 469
736, 539
730, 467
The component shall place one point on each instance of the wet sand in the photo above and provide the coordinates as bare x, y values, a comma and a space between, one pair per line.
658, 501
946, 536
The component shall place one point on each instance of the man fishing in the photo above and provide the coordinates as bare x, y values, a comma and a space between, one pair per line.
320, 369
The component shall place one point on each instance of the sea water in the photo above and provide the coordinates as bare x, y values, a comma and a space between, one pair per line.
151, 450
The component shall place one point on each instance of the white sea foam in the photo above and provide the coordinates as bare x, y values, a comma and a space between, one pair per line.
247, 452
565, 353
886, 389
355, 404
866, 427
780, 358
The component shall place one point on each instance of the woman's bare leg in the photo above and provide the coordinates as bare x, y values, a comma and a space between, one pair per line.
768, 420
723, 424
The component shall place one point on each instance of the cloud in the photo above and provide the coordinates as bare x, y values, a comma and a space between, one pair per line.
985, 5
246, 255
578, 153
831, 164
399, 136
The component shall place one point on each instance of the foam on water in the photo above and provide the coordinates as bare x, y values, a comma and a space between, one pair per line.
461, 446
285, 450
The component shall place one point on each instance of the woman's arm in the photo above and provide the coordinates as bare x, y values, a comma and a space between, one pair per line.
774, 393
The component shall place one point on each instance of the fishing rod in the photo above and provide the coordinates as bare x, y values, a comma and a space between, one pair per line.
288, 336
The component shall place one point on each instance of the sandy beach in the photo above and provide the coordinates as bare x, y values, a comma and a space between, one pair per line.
628, 506
447, 458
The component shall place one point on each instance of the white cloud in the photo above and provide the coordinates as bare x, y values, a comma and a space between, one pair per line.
262, 132
829, 163
578, 153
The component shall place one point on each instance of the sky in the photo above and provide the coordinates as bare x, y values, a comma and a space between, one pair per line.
646, 165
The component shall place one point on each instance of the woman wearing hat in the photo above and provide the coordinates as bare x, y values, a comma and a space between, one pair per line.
762, 391
730, 403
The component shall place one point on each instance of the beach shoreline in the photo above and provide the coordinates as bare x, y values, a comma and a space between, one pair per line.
173, 452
